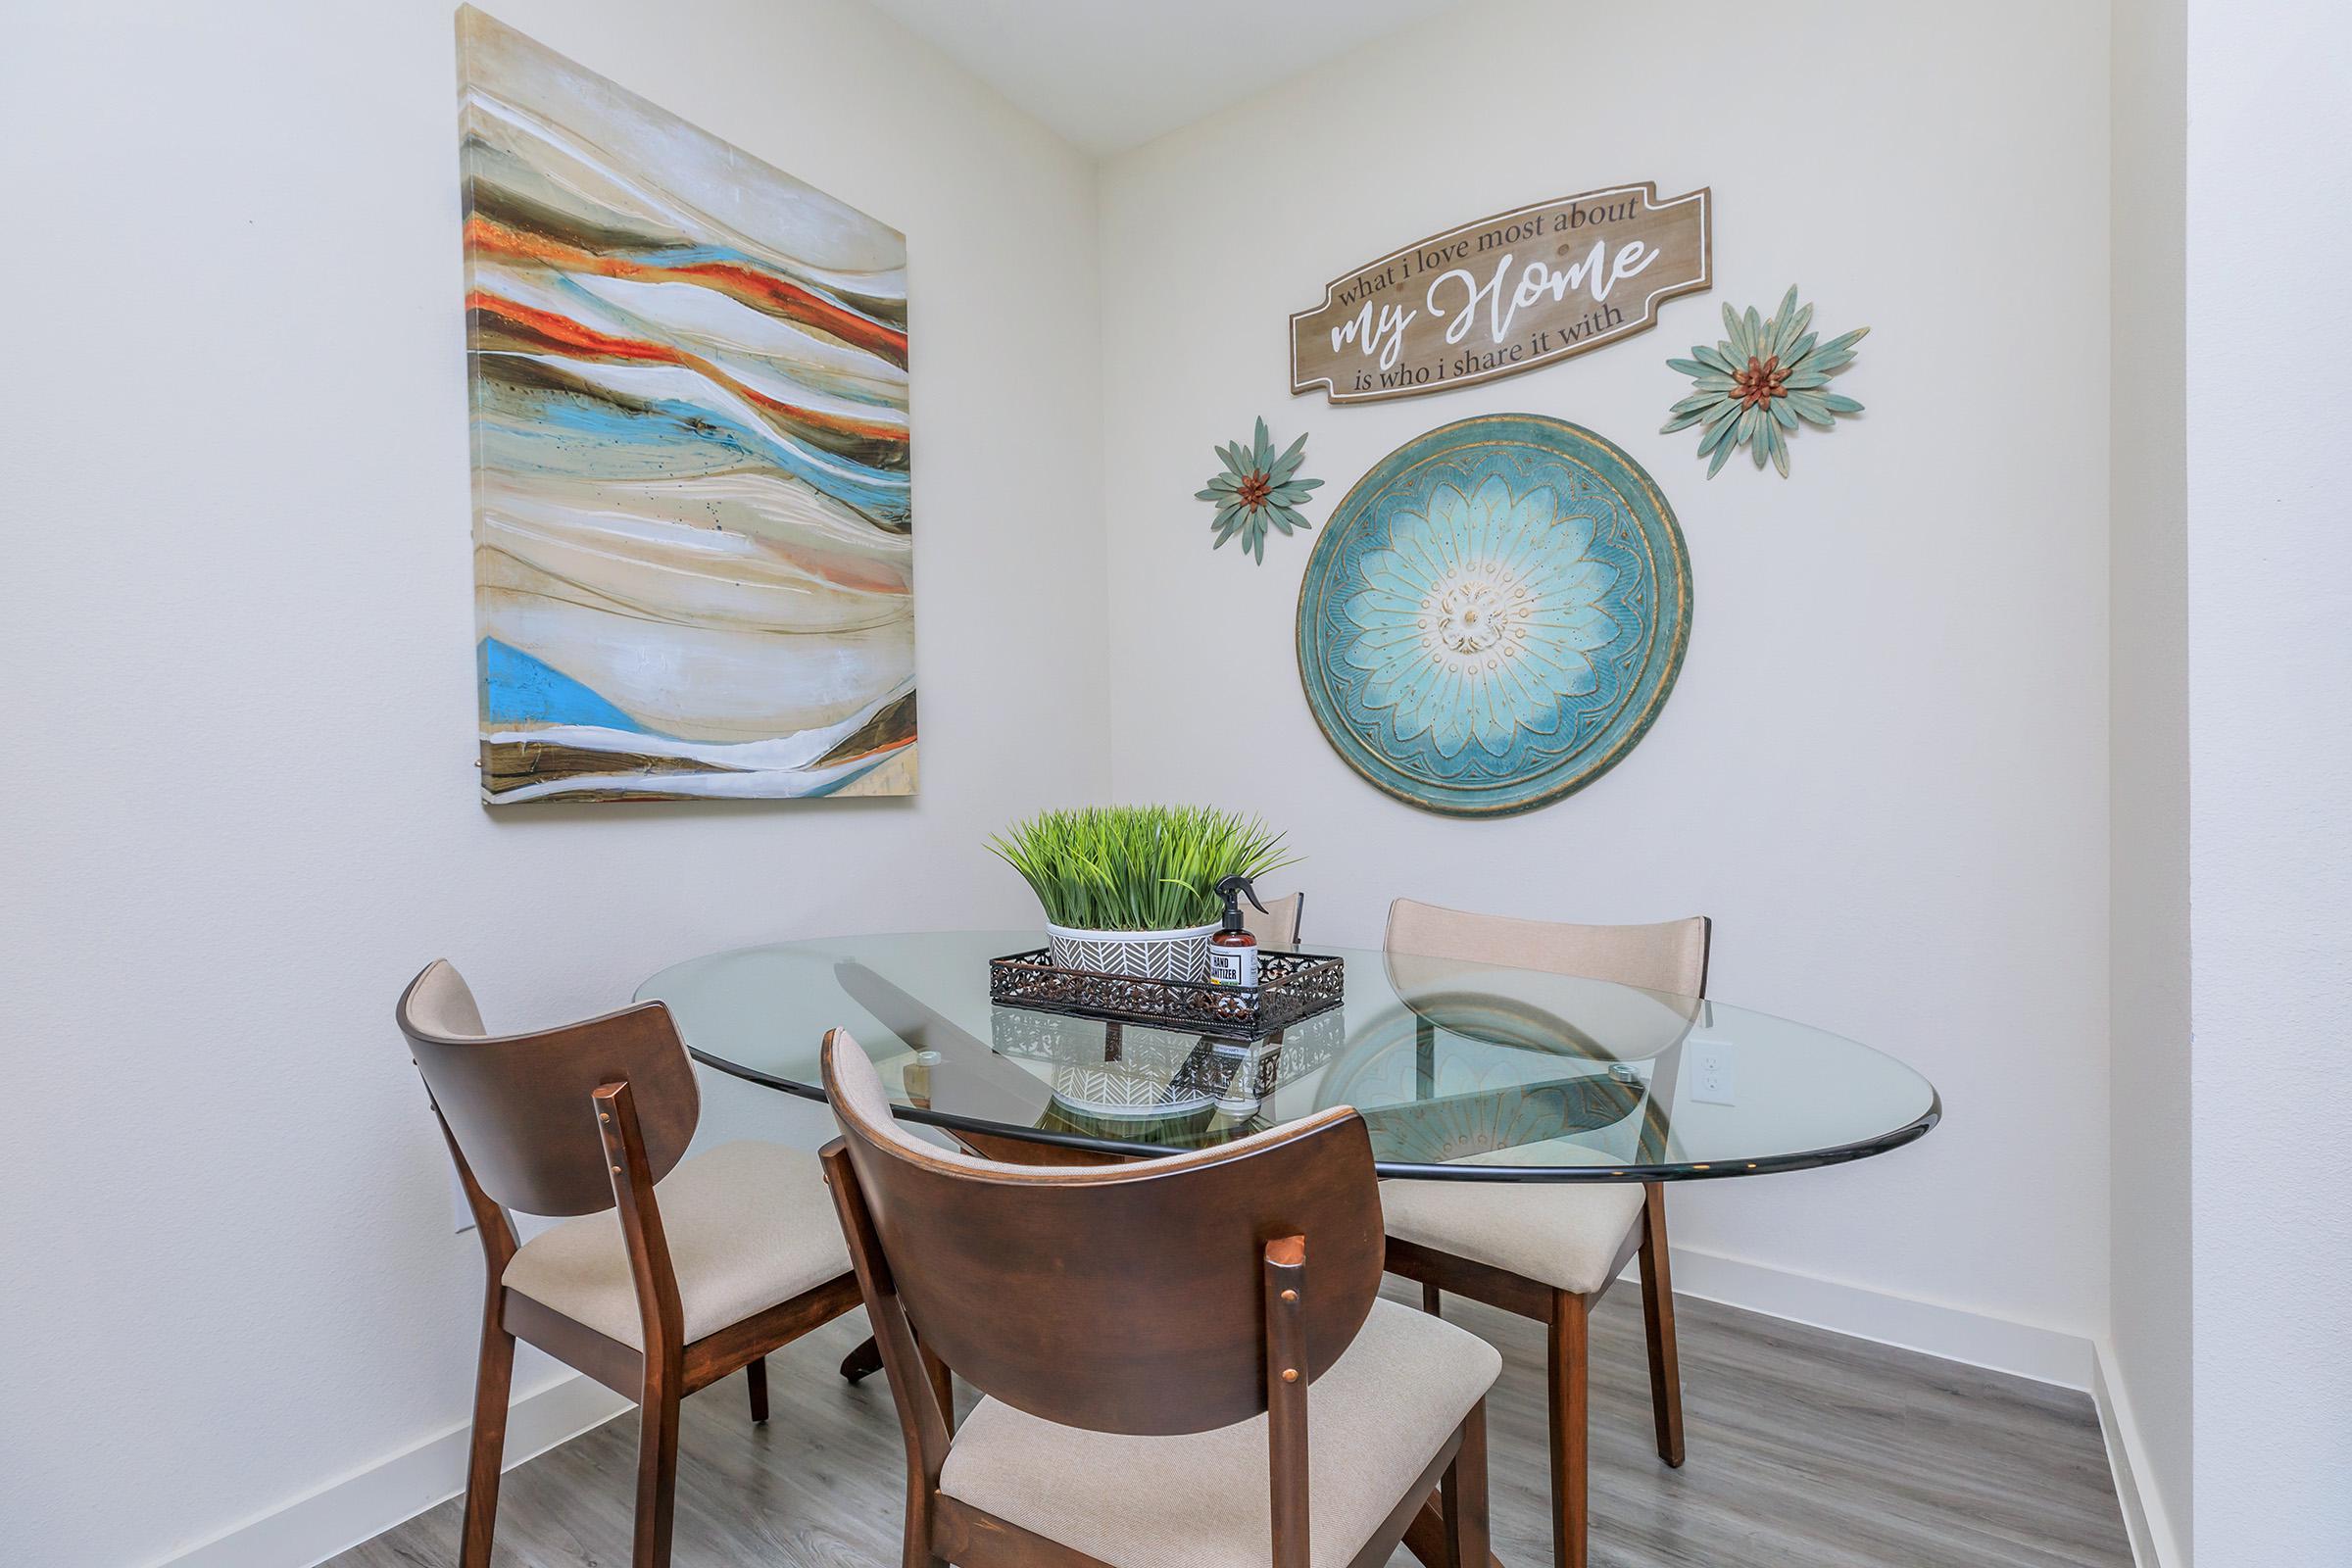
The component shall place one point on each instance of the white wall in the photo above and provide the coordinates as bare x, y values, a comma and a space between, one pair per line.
1885, 768
2270, 664
239, 675
2148, 1077
239, 700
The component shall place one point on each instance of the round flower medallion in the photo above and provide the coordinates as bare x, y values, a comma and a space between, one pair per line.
1494, 615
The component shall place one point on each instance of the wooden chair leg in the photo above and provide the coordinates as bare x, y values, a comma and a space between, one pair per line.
864, 1362
756, 1378
494, 1374
1431, 1298
1657, 1314
1462, 1494
1570, 1340
943, 1385
918, 1551
657, 1474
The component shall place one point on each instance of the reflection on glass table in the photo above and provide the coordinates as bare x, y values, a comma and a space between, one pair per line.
1462, 1071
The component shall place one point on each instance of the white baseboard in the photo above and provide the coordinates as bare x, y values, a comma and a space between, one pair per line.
368, 1502
1954, 1334
2145, 1520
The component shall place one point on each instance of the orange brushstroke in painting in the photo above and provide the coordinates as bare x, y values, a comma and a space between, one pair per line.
585, 342
771, 295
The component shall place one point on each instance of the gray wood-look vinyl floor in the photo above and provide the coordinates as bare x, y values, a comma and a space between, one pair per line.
1807, 1449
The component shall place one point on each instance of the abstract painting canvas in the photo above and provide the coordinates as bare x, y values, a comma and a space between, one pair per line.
692, 521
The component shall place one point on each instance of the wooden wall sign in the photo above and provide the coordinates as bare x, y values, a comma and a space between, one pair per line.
1503, 295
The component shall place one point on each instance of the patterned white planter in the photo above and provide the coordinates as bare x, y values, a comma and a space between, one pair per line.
1152, 955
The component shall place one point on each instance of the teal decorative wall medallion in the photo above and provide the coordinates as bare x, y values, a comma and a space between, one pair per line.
1494, 615
1752, 387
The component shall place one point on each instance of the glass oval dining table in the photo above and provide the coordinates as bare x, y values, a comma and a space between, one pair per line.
1462, 1071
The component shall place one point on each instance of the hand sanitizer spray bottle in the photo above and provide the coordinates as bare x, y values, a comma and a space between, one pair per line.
1232, 952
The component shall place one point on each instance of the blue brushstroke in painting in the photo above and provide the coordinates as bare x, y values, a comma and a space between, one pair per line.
517, 689
669, 437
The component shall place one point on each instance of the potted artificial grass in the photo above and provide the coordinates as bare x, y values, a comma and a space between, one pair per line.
1132, 889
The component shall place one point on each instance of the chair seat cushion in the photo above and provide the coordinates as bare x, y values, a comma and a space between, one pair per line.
748, 1225
1375, 1419
1560, 1234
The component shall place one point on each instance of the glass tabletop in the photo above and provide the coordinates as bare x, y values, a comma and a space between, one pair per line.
1462, 1071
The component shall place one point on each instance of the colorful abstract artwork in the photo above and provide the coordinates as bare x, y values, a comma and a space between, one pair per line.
691, 522
1494, 615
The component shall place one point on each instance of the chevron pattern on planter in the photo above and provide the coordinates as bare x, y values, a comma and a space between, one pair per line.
1150, 955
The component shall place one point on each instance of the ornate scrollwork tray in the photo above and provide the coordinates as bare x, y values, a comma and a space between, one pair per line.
1292, 988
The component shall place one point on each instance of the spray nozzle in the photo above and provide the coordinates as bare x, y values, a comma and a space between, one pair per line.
1232, 889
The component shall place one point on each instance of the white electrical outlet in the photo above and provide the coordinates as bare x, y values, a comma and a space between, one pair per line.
1712, 1080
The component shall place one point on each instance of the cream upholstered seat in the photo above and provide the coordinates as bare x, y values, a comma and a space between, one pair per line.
1565, 1235
1199, 1501
1670, 956
748, 1224
1539, 1249
1173, 1376
664, 1275
1277, 926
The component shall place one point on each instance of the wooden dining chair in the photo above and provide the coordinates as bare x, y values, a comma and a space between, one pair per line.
1548, 1251
1183, 1359
1278, 925
670, 1273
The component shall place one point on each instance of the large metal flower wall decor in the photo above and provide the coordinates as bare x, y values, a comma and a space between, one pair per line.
1753, 388
1255, 489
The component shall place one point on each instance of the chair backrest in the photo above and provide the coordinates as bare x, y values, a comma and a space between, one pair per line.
1127, 1298
1669, 956
518, 1106
1278, 927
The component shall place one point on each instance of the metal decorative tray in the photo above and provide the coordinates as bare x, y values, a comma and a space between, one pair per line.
1290, 987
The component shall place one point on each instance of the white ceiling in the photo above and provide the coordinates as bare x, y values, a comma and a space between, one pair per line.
1111, 74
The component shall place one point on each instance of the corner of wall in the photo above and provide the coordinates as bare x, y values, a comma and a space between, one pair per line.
2147, 1521
2146, 1357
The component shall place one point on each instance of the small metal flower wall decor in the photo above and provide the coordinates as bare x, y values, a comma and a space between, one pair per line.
1255, 489
1753, 388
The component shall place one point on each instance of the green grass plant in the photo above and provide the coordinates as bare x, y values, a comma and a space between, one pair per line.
1136, 867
